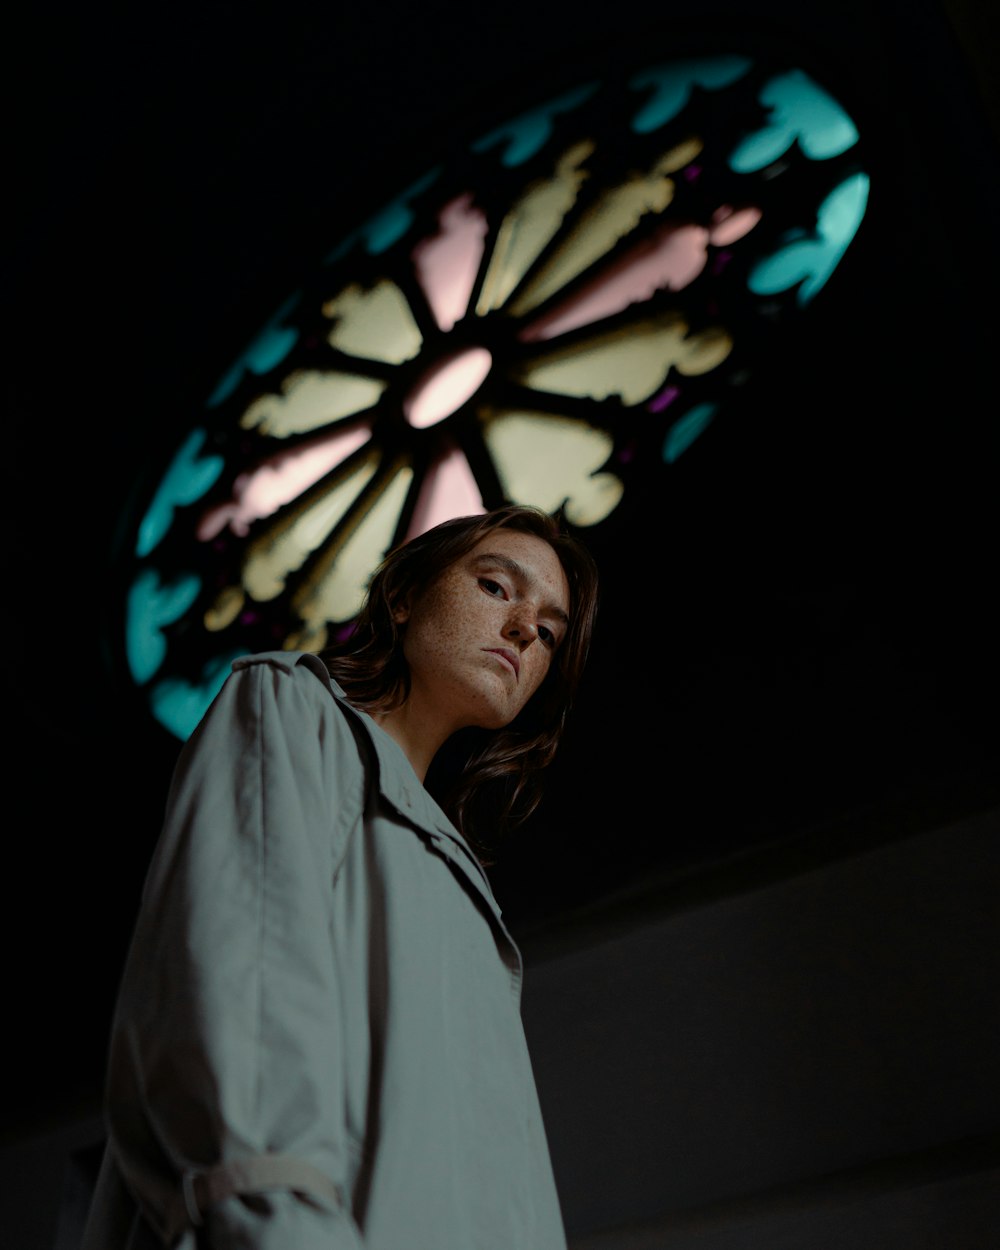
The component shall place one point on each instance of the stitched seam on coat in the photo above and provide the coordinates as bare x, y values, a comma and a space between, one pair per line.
261, 918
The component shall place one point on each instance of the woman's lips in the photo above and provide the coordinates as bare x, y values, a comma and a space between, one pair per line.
509, 656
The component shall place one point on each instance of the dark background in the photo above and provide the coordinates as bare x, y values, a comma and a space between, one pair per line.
796, 651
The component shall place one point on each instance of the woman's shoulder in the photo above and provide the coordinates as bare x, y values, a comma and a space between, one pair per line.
274, 694
281, 687
295, 664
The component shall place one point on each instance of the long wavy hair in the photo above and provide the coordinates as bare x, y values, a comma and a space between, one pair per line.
487, 781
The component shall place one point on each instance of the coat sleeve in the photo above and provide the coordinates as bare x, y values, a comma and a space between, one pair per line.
225, 1098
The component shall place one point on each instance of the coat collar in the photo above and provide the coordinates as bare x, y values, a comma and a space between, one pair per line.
400, 787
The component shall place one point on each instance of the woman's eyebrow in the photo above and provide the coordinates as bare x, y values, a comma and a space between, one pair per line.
516, 569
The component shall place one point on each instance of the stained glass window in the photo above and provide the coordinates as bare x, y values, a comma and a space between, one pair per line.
570, 294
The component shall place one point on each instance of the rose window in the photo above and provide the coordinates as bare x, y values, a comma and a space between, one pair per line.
553, 306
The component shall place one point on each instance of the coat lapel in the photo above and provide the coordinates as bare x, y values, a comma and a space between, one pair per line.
399, 786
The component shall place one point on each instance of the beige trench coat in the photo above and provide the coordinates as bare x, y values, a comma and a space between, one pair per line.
317, 1043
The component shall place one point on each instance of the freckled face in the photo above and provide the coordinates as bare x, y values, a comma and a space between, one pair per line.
480, 639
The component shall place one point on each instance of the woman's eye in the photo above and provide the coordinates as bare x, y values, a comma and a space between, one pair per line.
546, 635
491, 587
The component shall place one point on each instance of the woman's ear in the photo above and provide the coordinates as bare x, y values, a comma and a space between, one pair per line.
401, 611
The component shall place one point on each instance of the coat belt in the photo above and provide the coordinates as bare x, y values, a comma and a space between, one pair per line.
200, 1189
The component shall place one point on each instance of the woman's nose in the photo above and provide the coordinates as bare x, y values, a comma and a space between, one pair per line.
521, 629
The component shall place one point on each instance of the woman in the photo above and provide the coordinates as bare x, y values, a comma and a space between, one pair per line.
317, 1041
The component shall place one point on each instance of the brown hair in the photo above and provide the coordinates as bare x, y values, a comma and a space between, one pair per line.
485, 780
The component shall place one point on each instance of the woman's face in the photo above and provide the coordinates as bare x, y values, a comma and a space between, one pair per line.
479, 639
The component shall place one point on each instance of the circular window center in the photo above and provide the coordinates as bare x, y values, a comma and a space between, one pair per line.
446, 386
